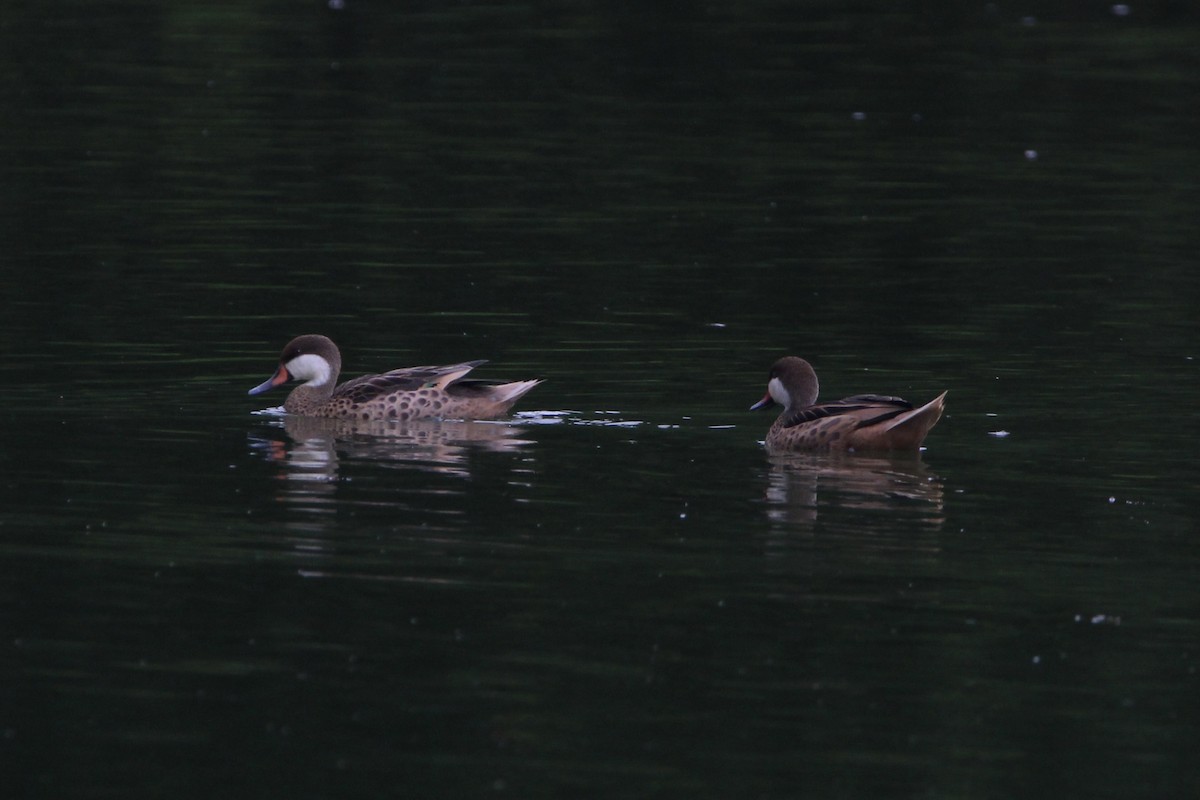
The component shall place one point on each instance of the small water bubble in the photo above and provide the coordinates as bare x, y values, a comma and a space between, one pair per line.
337, 5
1121, 10
1029, 21
858, 116
1031, 155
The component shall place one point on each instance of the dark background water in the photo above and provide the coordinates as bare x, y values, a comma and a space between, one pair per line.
620, 594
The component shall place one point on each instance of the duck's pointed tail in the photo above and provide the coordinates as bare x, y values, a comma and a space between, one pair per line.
508, 393
907, 431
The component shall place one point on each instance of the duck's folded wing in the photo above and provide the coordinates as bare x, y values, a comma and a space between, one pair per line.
877, 398
409, 379
869, 408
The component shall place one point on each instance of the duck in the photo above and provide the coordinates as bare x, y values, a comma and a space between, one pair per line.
433, 392
860, 422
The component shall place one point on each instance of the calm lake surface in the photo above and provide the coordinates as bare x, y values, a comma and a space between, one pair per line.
618, 593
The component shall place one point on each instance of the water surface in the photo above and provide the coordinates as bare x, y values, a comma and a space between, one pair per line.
616, 593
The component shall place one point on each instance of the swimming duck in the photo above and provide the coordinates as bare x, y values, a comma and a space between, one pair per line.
860, 422
402, 394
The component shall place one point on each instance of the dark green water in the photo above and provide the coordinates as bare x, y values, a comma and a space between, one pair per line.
619, 594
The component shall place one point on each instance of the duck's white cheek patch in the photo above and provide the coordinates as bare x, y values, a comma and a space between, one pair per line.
778, 393
310, 368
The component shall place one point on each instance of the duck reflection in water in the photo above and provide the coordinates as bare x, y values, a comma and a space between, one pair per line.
802, 486
311, 460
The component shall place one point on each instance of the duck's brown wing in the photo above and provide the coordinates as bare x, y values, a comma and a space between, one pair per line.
868, 408
877, 398
408, 379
